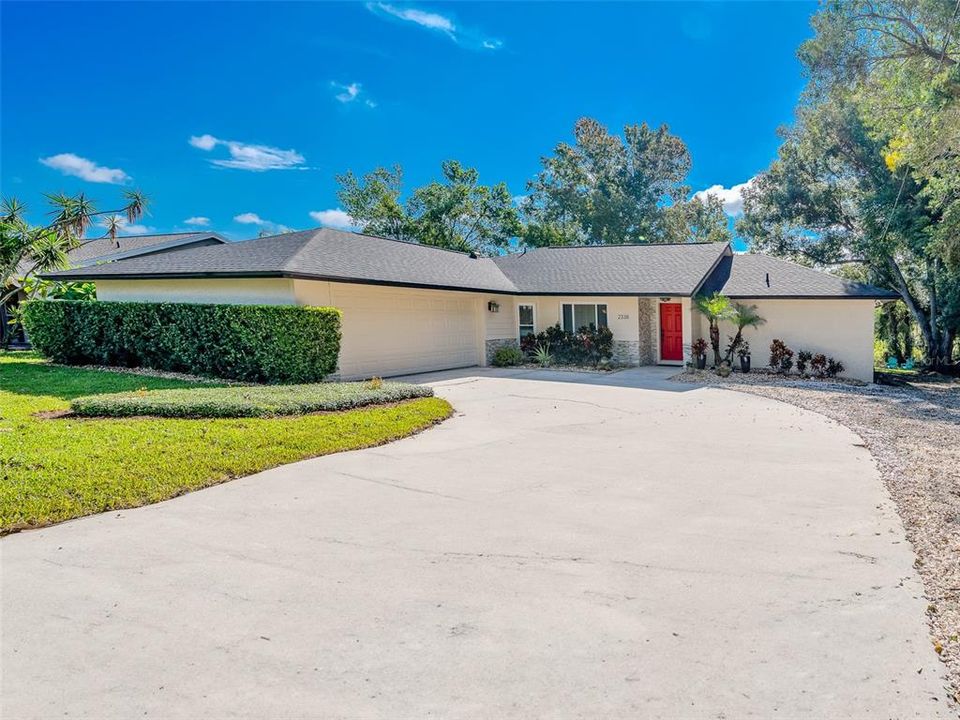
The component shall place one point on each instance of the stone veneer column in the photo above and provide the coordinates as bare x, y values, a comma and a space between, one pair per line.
647, 321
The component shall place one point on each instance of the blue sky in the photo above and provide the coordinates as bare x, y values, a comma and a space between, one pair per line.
241, 114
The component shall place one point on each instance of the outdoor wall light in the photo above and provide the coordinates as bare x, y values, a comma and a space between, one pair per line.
493, 306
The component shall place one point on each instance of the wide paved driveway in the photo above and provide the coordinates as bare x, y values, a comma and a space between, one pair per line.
566, 546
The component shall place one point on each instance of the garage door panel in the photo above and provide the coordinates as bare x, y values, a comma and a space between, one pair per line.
393, 332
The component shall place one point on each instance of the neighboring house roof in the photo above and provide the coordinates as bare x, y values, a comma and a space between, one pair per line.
762, 276
106, 249
339, 256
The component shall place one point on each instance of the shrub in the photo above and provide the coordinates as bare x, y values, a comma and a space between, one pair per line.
781, 357
834, 367
803, 359
588, 346
254, 343
506, 356
698, 347
819, 364
247, 400
743, 349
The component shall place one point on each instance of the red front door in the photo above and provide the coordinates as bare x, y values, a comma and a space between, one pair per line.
671, 332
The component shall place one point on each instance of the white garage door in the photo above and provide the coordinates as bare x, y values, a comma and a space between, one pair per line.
396, 331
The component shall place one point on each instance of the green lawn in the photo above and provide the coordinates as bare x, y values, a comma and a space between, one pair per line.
61, 468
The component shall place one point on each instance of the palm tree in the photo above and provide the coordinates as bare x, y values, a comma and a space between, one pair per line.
715, 308
743, 316
27, 250
43, 248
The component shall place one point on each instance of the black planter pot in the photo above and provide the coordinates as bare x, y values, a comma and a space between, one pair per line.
745, 364
701, 362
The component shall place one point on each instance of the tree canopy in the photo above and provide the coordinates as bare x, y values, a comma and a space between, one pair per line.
456, 212
602, 189
606, 189
853, 185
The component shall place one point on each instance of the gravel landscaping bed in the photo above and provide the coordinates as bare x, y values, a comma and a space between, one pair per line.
913, 433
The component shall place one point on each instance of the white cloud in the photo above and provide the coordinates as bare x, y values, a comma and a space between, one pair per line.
125, 227
246, 156
204, 142
731, 197
70, 164
334, 218
432, 21
197, 220
351, 93
348, 93
249, 219
137, 229
436, 22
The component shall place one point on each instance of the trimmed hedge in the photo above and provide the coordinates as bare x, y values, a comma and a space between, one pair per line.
247, 401
254, 343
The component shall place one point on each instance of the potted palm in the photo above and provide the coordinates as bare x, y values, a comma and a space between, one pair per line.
743, 352
698, 349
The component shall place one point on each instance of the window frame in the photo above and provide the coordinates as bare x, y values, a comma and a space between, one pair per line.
520, 325
596, 314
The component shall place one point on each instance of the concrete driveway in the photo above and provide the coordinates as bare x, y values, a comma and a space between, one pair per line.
568, 545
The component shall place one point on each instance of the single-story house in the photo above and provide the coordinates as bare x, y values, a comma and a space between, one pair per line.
107, 249
412, 308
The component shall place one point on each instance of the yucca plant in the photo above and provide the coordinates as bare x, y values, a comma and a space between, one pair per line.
542, 355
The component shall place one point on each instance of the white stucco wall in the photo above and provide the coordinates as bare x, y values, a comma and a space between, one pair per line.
503, 324
840, 328
241, 291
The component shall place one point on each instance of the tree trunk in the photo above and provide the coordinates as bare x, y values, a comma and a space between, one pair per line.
924, 320
715, 341
893, 328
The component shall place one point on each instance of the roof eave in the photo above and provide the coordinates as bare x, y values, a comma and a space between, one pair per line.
872, 296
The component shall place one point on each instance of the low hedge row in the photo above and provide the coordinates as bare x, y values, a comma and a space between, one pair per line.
247, 401
255, 343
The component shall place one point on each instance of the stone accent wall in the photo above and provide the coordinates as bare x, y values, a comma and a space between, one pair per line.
647, 319
493, 345
626, 352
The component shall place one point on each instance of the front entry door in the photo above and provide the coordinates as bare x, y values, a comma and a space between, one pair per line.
671, 331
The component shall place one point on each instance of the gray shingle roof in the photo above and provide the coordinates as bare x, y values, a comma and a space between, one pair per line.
612, 269
324, 254
336, 255
108, 249
104, 249
762, 276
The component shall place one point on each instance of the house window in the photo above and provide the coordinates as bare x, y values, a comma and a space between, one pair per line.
527, 325
576, 316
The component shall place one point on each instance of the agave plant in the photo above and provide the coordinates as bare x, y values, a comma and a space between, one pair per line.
542, 355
